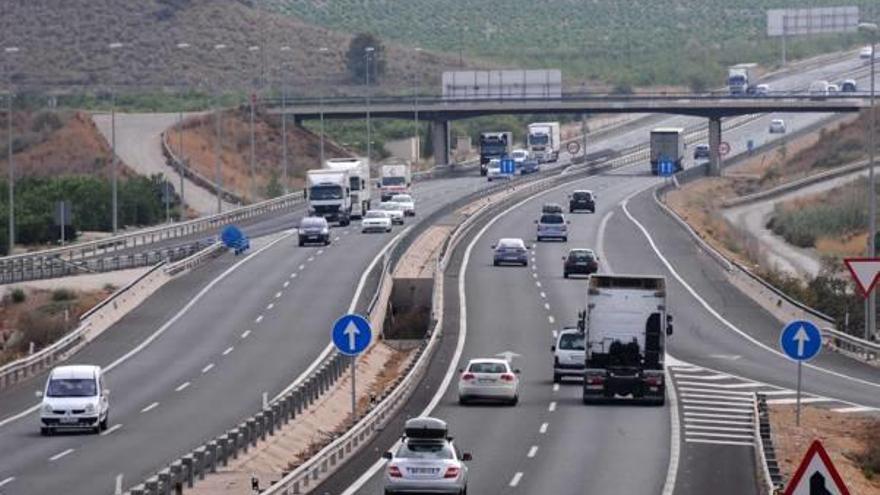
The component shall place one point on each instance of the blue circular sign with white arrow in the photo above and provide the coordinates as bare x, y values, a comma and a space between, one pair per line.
800, 340
352, 334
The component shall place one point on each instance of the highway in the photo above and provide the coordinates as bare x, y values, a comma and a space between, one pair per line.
561, 446
232, 331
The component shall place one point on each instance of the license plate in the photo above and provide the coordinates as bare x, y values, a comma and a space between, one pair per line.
313, 237
423, 470
581, 263
486, 380
67, 421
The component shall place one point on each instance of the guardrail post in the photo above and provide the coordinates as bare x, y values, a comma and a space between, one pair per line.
246, 433
212, 456
164, 482
252, 432
199, 455
152, 486
137, 490
261, 425
233, 441
223, 449
177, 477
270, 421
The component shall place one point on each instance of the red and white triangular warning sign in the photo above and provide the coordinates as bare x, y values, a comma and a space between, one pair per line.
865, 271
816, 475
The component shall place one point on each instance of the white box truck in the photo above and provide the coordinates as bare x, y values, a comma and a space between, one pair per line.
742, 79
328, 193
543, 141
625, 325
394, 178
359, 177
667, 144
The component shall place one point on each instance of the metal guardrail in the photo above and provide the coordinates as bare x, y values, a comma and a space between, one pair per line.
193, 175
769, 474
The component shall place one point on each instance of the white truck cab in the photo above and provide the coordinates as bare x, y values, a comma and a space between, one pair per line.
360, 185
75, 398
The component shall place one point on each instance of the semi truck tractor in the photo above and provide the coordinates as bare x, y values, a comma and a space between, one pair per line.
625, 325
543, 141
667, 145
359, 182
742, 79
493, 145
394, 179
328, 193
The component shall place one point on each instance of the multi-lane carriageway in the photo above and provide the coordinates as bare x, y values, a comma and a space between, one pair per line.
196, 358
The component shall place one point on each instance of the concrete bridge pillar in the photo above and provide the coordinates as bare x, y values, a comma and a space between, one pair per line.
440, 141
714, 144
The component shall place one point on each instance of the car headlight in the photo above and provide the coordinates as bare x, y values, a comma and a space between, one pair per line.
47, 408
325, 231
90, 408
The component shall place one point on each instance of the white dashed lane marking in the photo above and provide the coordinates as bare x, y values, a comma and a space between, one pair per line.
302, 267
286, 283
277, 295
270, 306
556, 387
537, 284
551, 320
532, 451
60, 455
111, 429
516, 478
543, 428
259, 319
7, 481
228, 350
543, 295
207, 368
183, 386
245, 334
552, 406
149, 408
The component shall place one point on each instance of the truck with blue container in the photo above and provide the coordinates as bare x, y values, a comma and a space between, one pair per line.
493, 145
667, 145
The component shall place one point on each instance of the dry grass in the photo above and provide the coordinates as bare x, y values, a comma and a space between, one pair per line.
843, 247
303, 149
850, 440
76, 147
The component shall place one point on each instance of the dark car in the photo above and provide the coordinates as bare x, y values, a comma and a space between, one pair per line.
582, 201
581, 262
314, 230
551, 208
701, 151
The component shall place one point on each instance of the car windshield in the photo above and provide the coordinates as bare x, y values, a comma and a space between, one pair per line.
72, 387
325, 192
581, 256
518, 155
582, 195
389, 206
487, 367
312, 223
538, 139
402, 198
393, 181
572, 342
375, 214
552, 219
510, 245
425, 450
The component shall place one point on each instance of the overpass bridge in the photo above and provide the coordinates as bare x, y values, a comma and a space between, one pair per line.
440, 111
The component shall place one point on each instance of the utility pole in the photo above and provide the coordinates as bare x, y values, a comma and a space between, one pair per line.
113, 160
9, 51
181, 47
871, 302
323, 50
254, 49
368, 51
416, 87
218, 176
284, 173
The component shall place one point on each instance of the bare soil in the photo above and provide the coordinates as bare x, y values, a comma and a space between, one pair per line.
844, 436
303, 148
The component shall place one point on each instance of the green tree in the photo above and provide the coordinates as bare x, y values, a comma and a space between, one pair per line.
356, 58
274, 187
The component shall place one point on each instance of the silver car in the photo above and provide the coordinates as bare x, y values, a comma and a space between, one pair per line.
426, 461
552, 226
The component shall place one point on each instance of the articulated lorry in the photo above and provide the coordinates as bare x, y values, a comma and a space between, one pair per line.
359, 178
742, 79
328, 193
625, 325
494, 145
543, 141
394, 178
667, 145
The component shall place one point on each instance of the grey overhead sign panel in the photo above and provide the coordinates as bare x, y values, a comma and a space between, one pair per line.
794, 22
503, 84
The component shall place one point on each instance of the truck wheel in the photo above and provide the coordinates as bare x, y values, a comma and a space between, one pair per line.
494, 263
301, 243
462, 401
564, 274
557, 378
45, 431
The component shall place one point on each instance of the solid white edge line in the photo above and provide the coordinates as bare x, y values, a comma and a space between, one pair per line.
674, 437
600, 241
462, 333
717, 315
516, 479
7, 481
149, 340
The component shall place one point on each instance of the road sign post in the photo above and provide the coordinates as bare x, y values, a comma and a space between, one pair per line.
351, 335
800, 340
866, 273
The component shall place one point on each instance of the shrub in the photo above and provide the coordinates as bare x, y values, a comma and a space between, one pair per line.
869, 460
18, 295
63, 294
39, 328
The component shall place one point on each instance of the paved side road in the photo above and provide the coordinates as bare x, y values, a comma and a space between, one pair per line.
138, 144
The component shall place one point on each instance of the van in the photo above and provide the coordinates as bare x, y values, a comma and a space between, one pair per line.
74, 398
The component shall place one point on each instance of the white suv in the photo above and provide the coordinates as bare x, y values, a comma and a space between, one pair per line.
75, 398
569, 353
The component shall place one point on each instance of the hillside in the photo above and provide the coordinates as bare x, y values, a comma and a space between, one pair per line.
65, 46
639, 42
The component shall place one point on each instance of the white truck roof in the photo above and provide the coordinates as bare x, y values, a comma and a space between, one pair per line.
345, 163
618, 308
670, 130
319, 176
76, 372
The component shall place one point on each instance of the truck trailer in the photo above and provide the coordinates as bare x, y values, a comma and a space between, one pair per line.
328, 193
394, 178
359, 182
493, 145
742, 79
543, 141
625, 324
667, 144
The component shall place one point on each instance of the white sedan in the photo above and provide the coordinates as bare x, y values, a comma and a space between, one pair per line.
777, 126
376, 221
407, 202
394, 210
488, 379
